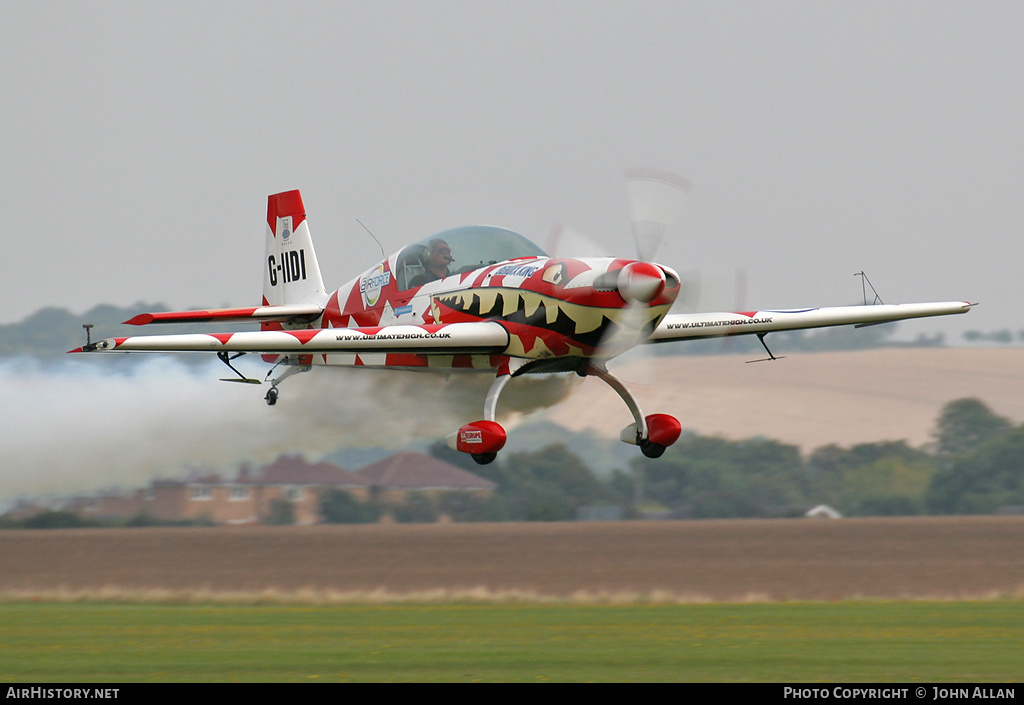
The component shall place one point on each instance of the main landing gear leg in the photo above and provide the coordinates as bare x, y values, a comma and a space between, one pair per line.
653, 433
483, 439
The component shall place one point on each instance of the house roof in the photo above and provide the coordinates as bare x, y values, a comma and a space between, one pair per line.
412, 470
408, 471
295, 470
207, 479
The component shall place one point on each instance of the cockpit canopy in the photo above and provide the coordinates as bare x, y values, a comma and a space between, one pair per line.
472, 246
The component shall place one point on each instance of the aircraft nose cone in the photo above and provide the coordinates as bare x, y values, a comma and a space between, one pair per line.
641, 281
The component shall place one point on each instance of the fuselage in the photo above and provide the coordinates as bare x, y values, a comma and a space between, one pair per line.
553, 308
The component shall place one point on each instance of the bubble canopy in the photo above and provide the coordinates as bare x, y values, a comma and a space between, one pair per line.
472, 246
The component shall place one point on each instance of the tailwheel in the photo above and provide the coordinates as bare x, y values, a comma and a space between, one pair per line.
293, 366
484, 458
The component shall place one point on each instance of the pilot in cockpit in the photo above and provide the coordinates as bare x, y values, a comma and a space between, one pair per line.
435, 263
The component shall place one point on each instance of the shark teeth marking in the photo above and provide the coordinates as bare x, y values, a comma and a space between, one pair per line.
530, 305
587, 323
487, 298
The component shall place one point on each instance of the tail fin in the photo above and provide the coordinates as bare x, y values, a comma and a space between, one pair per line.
291, 273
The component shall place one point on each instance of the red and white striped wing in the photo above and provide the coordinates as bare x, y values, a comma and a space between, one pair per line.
483, 338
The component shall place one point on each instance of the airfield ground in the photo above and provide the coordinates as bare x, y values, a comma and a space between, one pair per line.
747, 560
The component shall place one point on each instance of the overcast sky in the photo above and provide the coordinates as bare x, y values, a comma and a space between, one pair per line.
140, 140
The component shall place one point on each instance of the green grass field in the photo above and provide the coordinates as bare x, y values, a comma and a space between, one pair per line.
796, 642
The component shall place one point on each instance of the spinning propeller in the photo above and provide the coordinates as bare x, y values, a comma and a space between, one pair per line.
655, 199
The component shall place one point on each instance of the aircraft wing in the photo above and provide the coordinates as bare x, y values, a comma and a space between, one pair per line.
694, 326
478, 338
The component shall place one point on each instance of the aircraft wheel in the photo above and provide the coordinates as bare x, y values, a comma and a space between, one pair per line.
651, 450
484, 458
271, 396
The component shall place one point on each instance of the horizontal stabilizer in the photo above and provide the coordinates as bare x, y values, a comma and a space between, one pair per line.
292, 313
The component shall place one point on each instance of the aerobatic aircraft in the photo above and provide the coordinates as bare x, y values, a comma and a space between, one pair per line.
486, 299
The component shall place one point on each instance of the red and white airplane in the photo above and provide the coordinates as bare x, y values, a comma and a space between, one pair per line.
478, 298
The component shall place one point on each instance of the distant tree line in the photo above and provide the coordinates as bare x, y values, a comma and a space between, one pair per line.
998, 337
975, 465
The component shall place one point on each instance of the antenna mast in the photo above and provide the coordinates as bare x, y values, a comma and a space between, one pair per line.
864, 290
382, 255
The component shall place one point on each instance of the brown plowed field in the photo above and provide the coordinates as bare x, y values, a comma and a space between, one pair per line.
808, 399
970, 557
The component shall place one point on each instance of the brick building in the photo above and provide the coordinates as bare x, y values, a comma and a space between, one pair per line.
250, 496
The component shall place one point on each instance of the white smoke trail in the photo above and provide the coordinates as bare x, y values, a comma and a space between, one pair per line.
77, 428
